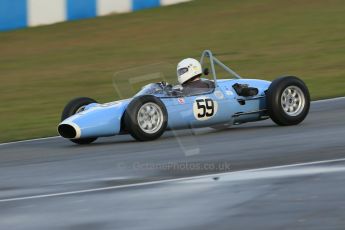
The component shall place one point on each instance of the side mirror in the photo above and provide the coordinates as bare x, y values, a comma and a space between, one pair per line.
206, 71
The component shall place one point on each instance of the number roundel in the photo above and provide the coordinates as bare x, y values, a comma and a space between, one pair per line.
204, 108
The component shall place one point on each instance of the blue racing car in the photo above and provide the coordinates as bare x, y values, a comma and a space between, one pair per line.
159, 106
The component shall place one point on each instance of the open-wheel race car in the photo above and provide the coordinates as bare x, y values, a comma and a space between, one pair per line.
159, 106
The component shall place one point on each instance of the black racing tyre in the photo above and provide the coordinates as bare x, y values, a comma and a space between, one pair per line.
146, 118
75, 106
288, 101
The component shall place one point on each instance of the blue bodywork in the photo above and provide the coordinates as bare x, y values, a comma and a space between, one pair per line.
228, 107
99, 120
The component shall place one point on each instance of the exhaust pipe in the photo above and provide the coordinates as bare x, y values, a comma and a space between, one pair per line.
70, 131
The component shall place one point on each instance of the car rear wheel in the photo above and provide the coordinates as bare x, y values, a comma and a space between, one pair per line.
75, 106
146, 118
288, 101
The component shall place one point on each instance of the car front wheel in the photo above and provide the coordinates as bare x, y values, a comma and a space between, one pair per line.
146, 118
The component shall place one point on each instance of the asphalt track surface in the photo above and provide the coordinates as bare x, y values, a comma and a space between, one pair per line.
118, 183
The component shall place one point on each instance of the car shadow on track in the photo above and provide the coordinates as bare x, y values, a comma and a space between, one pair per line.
174, 134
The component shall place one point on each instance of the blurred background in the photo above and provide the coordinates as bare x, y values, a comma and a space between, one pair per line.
54, 50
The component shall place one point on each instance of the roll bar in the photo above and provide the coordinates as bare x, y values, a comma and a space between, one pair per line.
213, 60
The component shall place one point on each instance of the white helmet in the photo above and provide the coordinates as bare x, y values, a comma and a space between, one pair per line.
187, 69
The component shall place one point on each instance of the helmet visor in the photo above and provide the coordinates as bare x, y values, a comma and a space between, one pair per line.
182, 71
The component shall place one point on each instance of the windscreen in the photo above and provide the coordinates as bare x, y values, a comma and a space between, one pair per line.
150, 89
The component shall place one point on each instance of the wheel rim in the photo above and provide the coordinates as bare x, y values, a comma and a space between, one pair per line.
293, 101
150, 117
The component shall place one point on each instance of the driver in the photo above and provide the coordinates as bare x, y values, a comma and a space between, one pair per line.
189, 72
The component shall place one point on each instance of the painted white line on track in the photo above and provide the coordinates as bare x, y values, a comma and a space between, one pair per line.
29, 140
275, 174
163, 181
47, 138
329, 100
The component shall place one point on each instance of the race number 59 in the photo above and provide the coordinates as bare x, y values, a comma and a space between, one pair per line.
204, 108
